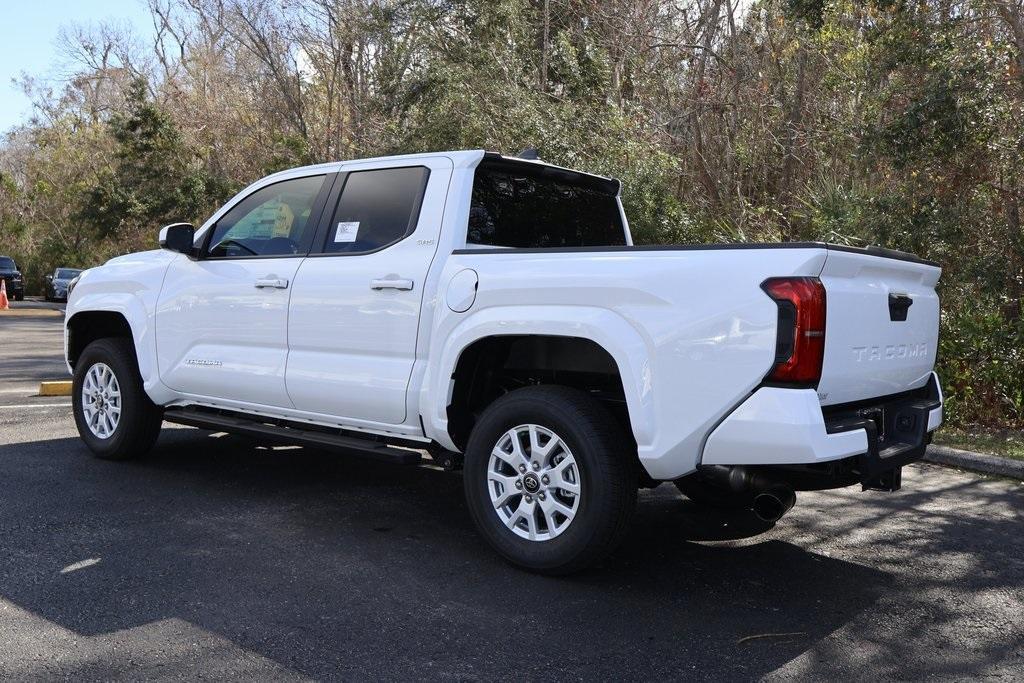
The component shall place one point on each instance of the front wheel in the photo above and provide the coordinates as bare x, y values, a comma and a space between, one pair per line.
550, 480
114, 416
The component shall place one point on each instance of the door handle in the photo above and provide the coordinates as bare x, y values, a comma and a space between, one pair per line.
275, 282
401, 284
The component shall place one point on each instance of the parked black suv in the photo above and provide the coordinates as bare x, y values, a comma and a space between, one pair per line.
10, 274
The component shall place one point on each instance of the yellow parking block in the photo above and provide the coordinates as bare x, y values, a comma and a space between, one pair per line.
58, 388
30, 312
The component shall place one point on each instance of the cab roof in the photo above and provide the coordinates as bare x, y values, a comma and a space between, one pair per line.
472, 158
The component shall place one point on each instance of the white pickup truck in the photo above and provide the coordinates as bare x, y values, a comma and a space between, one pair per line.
493, 312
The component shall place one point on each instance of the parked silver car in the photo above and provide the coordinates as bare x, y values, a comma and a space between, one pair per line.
57, 283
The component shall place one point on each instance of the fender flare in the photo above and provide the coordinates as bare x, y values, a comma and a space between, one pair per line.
133, 310
610, 331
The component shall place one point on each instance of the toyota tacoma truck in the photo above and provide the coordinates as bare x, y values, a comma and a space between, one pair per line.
493, 313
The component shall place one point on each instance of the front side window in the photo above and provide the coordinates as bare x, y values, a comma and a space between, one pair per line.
376, 209
272, 221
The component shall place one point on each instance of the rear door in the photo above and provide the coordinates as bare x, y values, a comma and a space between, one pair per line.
356, 303
881, 326
222, 319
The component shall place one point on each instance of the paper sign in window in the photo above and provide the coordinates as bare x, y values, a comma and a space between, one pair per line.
346, 232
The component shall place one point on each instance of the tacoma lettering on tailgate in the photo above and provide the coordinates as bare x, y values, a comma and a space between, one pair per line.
889, 352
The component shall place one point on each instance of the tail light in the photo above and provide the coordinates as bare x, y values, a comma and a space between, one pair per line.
800, 344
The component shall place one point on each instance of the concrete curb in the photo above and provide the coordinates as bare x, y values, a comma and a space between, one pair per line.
55, 388
34, 312
977, 462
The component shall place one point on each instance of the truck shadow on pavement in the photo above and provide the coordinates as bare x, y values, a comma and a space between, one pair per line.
335, 567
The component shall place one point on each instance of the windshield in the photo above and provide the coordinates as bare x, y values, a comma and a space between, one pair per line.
66, 273
7, 263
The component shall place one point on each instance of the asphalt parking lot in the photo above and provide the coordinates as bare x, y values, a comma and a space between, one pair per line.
218, 558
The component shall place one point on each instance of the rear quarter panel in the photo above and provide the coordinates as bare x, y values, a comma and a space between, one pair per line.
691, 330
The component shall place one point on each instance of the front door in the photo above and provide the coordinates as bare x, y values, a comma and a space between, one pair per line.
355, 307
222, 319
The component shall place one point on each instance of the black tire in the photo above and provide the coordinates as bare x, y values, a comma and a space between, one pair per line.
606, 466
19, 297
140, 419
704, 492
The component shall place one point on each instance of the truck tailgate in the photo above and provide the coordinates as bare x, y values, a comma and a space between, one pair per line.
881, 325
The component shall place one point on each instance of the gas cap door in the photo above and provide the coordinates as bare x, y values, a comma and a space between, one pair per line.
462, 290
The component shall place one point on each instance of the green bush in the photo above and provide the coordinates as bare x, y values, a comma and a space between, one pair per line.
981, 362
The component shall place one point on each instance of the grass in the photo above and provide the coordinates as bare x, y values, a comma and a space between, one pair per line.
1005, 442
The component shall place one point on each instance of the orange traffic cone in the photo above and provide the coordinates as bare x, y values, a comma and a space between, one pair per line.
3, 296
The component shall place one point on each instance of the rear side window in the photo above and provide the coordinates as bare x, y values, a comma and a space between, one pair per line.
376, 209
525, 209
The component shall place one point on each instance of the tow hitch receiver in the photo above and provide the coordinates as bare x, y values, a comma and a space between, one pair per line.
897, 432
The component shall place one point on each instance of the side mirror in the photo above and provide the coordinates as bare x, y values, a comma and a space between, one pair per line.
178, 237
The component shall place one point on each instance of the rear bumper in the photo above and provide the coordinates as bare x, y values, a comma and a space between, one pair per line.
777, 426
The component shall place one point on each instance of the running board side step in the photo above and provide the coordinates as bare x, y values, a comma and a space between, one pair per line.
287, 435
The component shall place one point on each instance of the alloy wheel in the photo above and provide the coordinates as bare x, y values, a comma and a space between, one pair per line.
101, 400
534, 482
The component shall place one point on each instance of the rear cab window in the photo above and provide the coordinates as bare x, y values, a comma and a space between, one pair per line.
517, 204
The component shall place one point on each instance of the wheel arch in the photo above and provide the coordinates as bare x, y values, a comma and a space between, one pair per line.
576, 342
124, 318
85, 327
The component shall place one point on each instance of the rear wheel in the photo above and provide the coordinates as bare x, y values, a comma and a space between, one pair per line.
114, 416
549, 479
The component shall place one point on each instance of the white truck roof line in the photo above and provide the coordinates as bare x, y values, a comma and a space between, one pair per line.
466, 158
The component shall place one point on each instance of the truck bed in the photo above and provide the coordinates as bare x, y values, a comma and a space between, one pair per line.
693, 332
